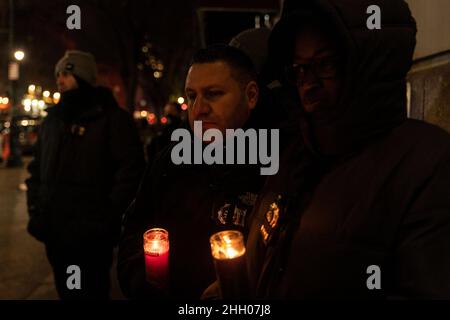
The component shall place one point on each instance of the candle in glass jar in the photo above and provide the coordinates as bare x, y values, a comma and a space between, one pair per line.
228, 251
156, 251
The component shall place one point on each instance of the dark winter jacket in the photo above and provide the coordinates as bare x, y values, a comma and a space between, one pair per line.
87, 166
372, 189
192, 202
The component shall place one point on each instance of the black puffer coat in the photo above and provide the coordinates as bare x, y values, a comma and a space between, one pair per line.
86, 170
374, 187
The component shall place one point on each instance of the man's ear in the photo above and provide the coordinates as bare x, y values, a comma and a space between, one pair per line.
252, 94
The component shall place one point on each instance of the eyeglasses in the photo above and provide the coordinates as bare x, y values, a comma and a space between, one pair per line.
327, 68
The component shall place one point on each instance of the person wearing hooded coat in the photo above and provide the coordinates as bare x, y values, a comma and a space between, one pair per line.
87, 165
360, 207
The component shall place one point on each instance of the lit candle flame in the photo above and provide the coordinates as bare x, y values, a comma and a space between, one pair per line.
231, 253
227, 245
156, 241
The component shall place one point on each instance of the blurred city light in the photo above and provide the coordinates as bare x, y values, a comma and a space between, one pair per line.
19, 55
184, 107
31, 88
163, 120
180, 100
3, 103
46, 94
267, 21
56, 97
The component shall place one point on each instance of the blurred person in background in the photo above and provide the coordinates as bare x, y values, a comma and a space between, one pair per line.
173, 115
86, 169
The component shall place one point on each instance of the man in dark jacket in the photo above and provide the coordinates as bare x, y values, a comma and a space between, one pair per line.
86, 170
193, 202
364, 210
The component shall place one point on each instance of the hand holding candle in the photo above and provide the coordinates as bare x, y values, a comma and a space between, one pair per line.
156, 250
228, 250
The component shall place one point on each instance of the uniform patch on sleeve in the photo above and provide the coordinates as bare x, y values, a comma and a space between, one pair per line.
223, 213
235, 210
271, 219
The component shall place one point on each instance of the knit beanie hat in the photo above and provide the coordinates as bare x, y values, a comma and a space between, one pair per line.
79, 63
254, 43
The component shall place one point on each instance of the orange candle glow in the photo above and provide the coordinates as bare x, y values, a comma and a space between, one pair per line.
228, 250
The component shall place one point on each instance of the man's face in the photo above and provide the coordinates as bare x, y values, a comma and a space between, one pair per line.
65, 81
319, 83
216, 98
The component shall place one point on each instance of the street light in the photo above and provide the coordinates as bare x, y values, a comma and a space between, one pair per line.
15, 156
19, 55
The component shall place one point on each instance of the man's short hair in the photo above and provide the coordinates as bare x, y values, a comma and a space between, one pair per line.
242, 68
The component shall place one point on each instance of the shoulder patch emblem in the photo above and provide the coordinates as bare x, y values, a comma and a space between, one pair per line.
270, 221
